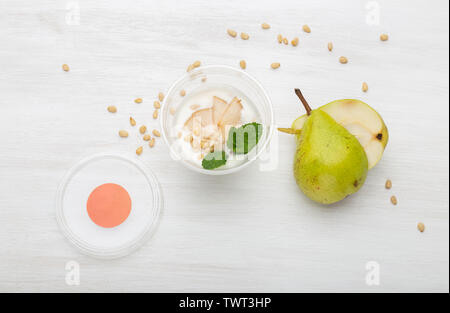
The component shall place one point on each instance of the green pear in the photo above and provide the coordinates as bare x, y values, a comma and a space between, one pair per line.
330, 163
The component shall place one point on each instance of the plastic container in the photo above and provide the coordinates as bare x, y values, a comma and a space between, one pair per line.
214, 76
82, 179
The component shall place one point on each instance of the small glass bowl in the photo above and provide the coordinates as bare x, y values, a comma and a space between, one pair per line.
218, 75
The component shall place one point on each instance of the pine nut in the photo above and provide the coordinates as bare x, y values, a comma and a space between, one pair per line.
157, 105
245, 36
243, 64
161, 97
132, 122
365, 87
143, 129
388, 184
138, 100
65, 68
421, 227
295, 41
155, 114
152, 143
275, 65
139, 150
156, 133
182, 93
123, 133
394, 200
265, 26
147, 137
306, 29
232, 33
330, 46
343, 60
384, 37
112, 109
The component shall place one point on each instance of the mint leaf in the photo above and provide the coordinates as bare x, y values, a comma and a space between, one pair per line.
214, 160
243, 139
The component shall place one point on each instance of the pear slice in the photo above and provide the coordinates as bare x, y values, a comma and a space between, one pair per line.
204, 117
219, 108
361, 121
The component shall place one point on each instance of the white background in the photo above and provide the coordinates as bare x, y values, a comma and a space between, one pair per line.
252, 231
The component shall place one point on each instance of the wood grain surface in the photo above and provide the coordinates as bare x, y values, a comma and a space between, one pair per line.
253, 231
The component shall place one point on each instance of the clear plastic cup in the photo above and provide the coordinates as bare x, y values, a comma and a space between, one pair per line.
228, 77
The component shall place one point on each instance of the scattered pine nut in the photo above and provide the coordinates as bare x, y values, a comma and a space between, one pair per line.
204, 79
123, 133
138, 100
384, 37
157, 105
285, 41
139, 150
330, 46
421, 227
265, 26
65, 68
156, 133
365, 87
155, 114
388, 184
161, 96
280, 38
394, 200
172, 110
343, 60
182, 93
243, 64
112, 109
190, 68
197, 64
147, 137
232, 33
245, 36
306, 29
143, 129
295, 41
152, 143
275, 65
132, 121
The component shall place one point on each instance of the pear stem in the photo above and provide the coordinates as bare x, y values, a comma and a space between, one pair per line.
303, 100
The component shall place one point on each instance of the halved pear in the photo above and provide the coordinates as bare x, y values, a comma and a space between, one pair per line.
360, 120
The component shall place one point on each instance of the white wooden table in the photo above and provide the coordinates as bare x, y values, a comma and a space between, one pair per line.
209, 239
